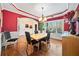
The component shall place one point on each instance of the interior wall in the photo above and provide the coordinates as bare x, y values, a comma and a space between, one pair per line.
66, 26
22, 23
10, 21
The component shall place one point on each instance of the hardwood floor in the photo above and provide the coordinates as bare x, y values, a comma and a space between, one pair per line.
70, 45
54, 49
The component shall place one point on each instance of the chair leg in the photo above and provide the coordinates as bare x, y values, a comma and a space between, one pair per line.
15, 45
5, 46
48, 44
32, 49
27, 50
38, 46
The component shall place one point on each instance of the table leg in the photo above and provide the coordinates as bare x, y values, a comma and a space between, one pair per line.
39, 45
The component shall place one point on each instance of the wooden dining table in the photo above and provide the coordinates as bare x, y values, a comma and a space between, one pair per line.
22, 42
38, 36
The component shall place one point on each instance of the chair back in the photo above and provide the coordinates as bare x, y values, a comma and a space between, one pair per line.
28, 37
7, 35
48, 36
36, 32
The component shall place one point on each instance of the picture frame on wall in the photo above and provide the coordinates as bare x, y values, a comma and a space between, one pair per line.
26, 25
30, 26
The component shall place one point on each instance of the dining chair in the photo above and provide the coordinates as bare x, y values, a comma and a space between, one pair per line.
36, 32
8, 40
31, 42
46, 40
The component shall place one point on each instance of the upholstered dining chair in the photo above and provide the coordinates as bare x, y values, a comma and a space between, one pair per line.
8, 40
31, 42
46, 40
36, 32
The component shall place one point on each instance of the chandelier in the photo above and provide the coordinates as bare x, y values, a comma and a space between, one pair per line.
42, 18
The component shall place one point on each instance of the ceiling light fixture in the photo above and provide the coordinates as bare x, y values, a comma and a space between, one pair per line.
42, 18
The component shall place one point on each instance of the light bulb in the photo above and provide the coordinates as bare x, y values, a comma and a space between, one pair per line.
40, 18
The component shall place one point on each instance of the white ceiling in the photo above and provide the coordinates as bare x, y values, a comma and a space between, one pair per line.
35, 8
49, 8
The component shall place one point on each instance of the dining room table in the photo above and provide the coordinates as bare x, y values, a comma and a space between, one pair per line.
22, 42
38, 37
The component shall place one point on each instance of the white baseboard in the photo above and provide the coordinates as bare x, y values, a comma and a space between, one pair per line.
56, 36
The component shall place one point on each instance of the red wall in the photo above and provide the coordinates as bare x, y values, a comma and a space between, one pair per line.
10, 20
66, 26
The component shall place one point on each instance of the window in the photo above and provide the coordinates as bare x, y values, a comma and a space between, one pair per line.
56, 26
